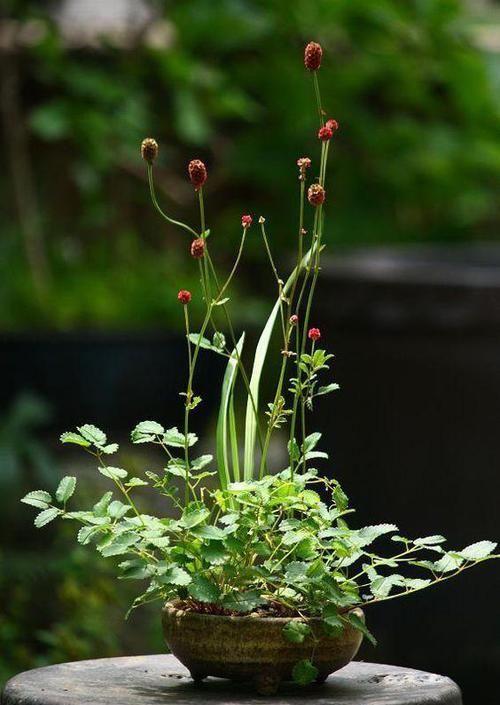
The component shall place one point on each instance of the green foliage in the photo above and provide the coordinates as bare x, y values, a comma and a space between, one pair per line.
304, 672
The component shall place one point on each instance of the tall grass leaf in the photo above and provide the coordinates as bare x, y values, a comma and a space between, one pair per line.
251, 417
223, 467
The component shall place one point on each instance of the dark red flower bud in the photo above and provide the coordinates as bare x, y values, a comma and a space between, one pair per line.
332, 125
246, 221
314, 334
316, 194
325, 134
184, 296
198, 247
312, 56
294, 319
197, 173
149, 149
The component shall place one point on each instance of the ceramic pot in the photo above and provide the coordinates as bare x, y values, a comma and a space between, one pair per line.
253, 648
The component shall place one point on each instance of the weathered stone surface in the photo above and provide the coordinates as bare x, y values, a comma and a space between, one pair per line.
162, 680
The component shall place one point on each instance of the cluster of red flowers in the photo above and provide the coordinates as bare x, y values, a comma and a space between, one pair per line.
198, 175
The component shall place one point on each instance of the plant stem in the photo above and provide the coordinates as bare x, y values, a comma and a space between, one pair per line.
157, 206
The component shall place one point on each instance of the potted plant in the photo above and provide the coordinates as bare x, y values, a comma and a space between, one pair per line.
262, 575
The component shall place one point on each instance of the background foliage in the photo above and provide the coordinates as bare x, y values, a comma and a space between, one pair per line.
417, 157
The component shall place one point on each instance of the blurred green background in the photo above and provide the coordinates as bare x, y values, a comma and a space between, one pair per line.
414, 86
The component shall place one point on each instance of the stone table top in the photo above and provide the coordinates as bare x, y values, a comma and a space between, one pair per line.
162, 680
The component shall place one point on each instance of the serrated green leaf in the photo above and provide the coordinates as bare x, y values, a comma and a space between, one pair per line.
120, 545
214, 533
193, 515
110, 449
429, 540
243, 601
113, 473
146, 431
100, 508
477, 551
311, 442
304, 672
38, 498
359, 624
327, 389
214, 553
203, 589
382, 585
117, 510
448, 563
175, 576
93, 434
296, 631
66, 489
87, 533
136, 482
368, 534
296, 571
45, 517
71, 437
174, 438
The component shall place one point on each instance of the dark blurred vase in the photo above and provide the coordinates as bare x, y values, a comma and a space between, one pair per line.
110, 379
414, 432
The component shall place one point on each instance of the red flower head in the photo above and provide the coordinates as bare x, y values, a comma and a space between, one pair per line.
332, 124
303, 163
314, 334
312, 56
325, 133
246, 221
316, 194
294, 319
198, 248
197, 173
184, 296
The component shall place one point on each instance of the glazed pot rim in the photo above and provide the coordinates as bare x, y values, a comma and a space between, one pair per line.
171, 609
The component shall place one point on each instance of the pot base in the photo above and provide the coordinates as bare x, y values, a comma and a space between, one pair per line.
252, 648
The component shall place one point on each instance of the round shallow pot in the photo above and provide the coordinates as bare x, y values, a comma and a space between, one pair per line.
252, 647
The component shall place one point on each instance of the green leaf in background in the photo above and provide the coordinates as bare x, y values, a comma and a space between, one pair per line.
304, 672
66, 489
173, 575
37, 498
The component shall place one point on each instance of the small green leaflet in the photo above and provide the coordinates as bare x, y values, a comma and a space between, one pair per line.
331, 617
92, 434
243, 601
359, 624
100, 508
203, 589
87, 533
304, 672
120, 544
38, 498
193, 515
296, 571
175, 576
66, 489
113, 473
46, 516
70, 437
429, 540
146, 431
477, 551
173, 437
295, 631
